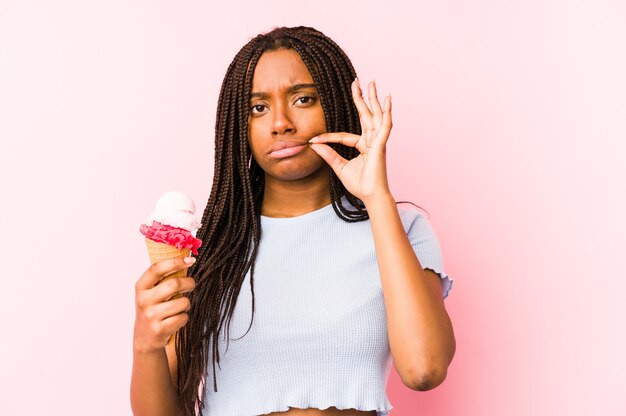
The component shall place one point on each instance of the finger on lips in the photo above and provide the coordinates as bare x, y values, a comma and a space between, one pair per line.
371, 123
347, 139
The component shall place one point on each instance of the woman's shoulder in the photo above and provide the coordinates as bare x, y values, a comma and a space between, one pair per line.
416, 222
410, 212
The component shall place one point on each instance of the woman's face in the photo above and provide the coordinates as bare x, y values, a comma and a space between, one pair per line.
285, 112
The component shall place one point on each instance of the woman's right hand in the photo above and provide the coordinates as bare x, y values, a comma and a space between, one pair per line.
156, 317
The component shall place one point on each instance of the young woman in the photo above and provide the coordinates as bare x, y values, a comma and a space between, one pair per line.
338, 280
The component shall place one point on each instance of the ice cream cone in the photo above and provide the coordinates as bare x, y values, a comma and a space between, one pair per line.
169, 232
160, 251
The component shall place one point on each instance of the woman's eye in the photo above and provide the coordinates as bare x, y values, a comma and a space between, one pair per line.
306, 100
258, 107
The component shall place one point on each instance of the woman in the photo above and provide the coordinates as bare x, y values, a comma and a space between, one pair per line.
301, 213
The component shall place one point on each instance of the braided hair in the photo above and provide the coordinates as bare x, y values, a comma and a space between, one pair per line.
230, 228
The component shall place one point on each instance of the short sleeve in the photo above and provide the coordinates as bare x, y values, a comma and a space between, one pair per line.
425, 243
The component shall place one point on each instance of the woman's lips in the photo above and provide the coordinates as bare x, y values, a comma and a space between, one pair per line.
288, 151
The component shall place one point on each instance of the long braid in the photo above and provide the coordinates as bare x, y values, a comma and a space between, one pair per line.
230, 228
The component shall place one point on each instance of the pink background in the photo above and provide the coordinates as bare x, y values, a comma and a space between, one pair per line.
509, 128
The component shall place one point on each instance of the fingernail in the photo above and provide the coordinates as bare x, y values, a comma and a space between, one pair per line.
189, 260
357, 82
314, 140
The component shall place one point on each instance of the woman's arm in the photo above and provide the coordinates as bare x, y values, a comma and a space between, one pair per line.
419, 329
157, 318
420, 332
152, 391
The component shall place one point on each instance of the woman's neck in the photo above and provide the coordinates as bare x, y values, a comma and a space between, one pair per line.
284, 199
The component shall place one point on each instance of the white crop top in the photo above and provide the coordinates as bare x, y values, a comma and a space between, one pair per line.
319, 336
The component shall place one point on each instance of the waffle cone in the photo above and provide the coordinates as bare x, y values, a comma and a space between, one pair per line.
160, 251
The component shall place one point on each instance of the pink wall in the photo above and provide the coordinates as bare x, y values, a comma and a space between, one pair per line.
509, 127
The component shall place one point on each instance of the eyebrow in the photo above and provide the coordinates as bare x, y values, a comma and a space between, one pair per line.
293, 88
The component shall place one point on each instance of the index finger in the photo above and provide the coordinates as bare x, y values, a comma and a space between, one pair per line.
161, 269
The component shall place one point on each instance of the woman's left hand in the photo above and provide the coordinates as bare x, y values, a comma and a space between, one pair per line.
365, 176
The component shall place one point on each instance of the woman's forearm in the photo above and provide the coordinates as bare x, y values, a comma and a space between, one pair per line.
152, 392
420, 332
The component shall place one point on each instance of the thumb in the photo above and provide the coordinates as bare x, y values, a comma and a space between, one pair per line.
161, 269
334, 160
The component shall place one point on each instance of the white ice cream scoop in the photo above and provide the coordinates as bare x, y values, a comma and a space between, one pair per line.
175, 208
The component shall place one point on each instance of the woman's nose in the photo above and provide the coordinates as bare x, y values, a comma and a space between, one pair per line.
281, 120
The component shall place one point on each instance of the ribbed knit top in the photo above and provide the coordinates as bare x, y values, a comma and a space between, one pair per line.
319, 334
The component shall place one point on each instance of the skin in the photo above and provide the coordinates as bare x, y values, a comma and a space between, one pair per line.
298, 184
152, 389
420, 333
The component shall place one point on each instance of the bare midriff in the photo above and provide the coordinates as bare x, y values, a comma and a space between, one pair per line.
331, 411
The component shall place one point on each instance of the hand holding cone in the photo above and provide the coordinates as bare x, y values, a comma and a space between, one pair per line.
170, 233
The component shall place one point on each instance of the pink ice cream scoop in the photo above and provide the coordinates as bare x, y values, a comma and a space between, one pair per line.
173, 221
